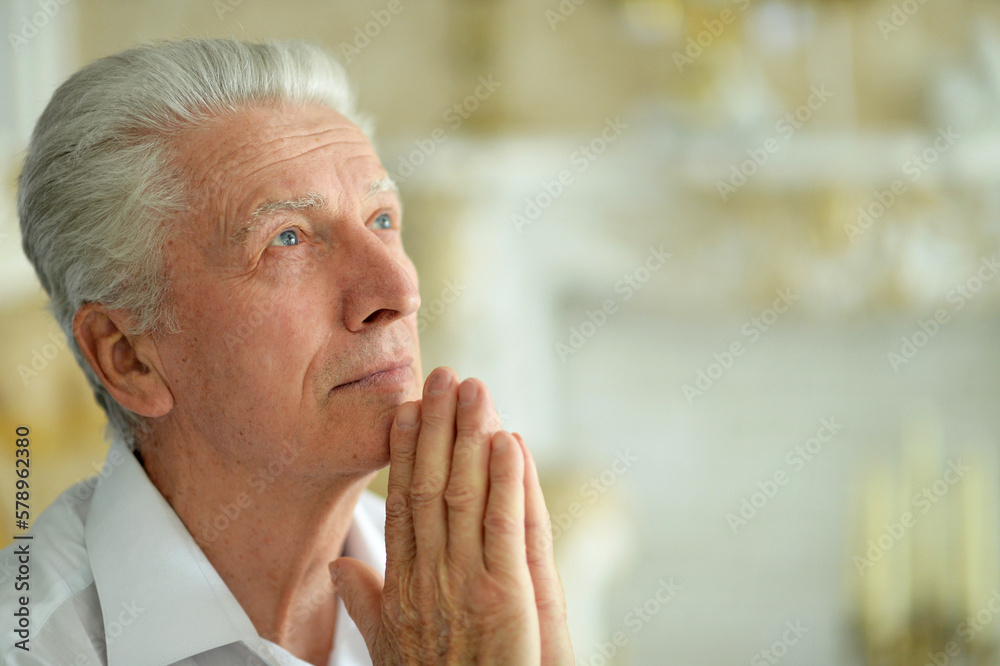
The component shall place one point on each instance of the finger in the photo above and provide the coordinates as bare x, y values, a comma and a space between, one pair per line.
465, 495
549, 596
400, 544
537, 524
503, 539
432, 463
360, 587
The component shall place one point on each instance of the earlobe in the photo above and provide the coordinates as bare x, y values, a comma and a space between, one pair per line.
127, 365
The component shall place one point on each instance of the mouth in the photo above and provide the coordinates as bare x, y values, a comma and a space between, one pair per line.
392, 375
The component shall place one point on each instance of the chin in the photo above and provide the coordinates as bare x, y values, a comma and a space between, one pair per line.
364, 442
374, 444
360, 422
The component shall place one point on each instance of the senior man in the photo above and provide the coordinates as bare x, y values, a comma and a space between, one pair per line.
222, 247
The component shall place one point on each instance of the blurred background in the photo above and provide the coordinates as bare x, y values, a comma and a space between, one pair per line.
730, 267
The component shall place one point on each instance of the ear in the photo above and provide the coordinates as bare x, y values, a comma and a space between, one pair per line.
128, 365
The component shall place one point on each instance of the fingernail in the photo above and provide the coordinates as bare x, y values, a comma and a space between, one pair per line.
439, 381
500, 443
406, 416
334, 572
467, 392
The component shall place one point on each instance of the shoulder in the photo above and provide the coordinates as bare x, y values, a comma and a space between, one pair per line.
52, 583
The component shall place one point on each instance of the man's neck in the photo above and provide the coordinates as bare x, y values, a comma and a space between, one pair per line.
269, 536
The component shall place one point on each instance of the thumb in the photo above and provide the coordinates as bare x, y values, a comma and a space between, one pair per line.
360, 587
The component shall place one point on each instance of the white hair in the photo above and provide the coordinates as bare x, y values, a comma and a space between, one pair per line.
97, 198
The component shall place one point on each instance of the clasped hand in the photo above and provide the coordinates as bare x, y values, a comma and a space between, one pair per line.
470, 575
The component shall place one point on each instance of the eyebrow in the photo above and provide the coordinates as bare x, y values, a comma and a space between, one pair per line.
311, 201
386, 184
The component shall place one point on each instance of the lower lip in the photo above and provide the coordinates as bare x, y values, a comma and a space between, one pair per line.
388, 380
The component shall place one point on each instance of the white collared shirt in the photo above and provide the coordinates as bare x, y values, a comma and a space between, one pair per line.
116, 579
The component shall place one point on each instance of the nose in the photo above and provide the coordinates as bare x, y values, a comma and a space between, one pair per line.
380, 282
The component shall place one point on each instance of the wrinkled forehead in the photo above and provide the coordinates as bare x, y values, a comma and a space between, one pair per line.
252, 153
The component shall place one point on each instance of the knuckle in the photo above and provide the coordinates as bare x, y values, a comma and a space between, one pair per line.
501, 523
427, 489
539, 525
504, 474
465, 452
397, 504
490, 597
438, 417
461, 496
553, 607
474, 427
404, 450
538, 553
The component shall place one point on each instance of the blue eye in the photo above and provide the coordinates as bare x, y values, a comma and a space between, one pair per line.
383, 221
286, 238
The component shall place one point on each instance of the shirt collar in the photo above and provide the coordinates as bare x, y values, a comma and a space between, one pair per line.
366, 542
151, 575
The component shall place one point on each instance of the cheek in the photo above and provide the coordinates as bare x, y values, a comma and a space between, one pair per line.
242, 345
269, 341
